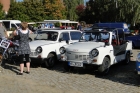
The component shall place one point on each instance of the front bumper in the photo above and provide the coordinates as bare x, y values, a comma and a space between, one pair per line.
88, 61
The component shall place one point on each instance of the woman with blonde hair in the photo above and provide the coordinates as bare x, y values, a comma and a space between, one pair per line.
24, 48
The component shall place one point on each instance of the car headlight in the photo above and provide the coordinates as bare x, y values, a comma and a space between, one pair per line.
62, 50
94, 52
138, 57
39, 49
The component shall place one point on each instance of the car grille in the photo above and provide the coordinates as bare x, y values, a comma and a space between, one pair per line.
77, 57
33, 54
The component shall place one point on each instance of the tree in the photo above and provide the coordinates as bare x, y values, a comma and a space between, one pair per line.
28, 10
80, 11
34, 10
54, 9
71, 7
16, 12
113, 11
2, 14
129, 11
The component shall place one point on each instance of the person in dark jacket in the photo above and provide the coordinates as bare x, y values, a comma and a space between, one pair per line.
79, 27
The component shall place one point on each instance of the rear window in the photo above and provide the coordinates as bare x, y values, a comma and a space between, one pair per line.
75, 35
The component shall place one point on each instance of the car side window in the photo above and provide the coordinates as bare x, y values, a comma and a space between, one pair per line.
13, 26
64, 36
75, 35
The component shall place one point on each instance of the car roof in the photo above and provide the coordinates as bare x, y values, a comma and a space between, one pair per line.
120, 31
62, 30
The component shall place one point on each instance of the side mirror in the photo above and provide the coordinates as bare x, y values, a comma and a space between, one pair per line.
67, 41
60, 39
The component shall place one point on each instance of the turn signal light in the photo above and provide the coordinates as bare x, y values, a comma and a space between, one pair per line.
39, 56
94, 60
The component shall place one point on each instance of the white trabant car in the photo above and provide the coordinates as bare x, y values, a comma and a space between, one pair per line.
98, 48
45, 47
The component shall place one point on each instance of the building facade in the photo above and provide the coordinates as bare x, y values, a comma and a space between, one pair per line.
6, 5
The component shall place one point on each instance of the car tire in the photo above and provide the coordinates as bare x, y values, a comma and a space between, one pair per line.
104, 68
127, 58
67, 67
50, 61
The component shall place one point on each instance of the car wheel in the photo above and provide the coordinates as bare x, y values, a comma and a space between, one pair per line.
104, 68
67, 67
50, 61
127, 58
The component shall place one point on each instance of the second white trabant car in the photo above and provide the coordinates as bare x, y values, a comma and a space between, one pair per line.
99, 48
45, 47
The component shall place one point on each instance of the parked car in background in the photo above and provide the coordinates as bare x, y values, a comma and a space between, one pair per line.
100, 49
138, 64
121, 25
135, 40
45, 47
10, 25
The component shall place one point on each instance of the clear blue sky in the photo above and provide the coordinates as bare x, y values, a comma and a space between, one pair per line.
85, 1
19, 0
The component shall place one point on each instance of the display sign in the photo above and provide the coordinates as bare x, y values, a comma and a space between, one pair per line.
4, 44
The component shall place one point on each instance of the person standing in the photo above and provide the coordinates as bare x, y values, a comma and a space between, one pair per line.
24, 48
79, 27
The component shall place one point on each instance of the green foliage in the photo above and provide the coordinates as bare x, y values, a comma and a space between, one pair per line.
71, 7
54, 9
17, 12
2, 14
29, 10
112, 11
34, 10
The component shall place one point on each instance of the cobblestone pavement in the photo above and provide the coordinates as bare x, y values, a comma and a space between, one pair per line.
121, 79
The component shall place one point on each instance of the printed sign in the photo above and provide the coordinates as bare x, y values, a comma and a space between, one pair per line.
4, 44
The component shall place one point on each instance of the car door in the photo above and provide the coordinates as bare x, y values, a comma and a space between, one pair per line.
118, 43
136, 40
64, 39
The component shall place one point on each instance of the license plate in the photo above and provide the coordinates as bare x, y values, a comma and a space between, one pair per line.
33, 54
76, 64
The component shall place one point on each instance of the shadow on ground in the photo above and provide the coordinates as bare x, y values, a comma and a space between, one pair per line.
118, 73
121, 73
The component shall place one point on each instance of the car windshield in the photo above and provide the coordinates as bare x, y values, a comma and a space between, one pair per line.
47, 35
18, 24
99, 36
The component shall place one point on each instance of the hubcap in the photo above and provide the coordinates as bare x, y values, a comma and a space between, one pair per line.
51, 61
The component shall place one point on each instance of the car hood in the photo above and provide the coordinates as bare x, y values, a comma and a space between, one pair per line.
84, 46
36, 43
